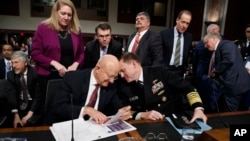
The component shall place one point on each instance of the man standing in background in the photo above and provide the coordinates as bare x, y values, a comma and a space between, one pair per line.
177, 43
228, 69
103, 44
146, 44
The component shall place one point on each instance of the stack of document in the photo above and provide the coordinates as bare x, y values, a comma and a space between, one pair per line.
89, 130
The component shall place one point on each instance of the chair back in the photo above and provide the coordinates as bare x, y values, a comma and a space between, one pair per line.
52, 88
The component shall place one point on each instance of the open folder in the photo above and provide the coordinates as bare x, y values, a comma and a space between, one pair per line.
89, 130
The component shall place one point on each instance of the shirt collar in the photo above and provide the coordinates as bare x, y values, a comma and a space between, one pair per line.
92, 78
141, 75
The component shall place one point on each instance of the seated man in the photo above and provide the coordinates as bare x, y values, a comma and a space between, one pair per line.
152, 91
89, 93
26, 103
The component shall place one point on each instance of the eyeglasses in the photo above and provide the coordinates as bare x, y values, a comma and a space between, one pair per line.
152, 137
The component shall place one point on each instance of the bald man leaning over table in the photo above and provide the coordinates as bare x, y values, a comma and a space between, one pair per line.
80, 85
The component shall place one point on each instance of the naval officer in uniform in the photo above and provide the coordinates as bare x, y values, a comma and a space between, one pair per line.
153, 92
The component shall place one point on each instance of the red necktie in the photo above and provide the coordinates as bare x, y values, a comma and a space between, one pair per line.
211, 64
93, 97
137, 40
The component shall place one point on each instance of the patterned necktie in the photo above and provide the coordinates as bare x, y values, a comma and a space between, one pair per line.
24, 105
8, 68
93, 97
211, 64
177, 51
137, 40
104, 50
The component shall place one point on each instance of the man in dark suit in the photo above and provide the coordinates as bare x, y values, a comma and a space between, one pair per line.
103, 44
151, 90
208, 89
169, 42
228, 69
81, 90
26, 103
146, 44
5, 63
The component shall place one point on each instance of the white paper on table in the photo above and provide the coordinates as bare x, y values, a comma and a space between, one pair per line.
88, 130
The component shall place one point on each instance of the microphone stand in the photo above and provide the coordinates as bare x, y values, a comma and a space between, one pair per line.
72, 123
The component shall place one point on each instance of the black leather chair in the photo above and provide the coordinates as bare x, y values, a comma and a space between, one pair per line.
52, 88
6, 92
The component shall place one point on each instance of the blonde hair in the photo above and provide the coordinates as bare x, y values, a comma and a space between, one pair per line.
52, 21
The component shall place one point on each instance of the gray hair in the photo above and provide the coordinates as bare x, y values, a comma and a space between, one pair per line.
212, 27
144, 14
212, 35
21, 55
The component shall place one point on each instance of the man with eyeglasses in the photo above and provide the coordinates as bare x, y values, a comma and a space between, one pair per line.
82, 86
101, 45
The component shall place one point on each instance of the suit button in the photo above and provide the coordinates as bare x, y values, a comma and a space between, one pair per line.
158, 105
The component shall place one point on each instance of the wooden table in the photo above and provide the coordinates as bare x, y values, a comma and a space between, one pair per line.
221, 134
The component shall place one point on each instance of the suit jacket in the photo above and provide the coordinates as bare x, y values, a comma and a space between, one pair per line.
159, 91
92, 52
109, 102
201, 60
167, 36
2, 68
230, 69
46, 47
32, 86
149, 49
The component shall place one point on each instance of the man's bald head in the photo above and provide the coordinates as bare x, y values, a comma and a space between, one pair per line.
106, 69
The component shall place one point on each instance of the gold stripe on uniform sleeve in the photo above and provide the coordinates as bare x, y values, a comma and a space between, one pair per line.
193, 97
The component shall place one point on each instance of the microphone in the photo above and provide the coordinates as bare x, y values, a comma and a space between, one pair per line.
218, 109
72, 119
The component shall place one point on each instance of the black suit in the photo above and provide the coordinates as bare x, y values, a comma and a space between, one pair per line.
149, 49
2, 68
108, 104
92, 52
158, 92
32, 86
167, 36
231, 73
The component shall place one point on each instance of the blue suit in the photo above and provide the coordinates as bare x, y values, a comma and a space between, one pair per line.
231, 73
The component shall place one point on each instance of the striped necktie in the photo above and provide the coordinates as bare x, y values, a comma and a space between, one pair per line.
177, 51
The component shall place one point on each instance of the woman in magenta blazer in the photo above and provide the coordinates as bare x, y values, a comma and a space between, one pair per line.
58, 46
